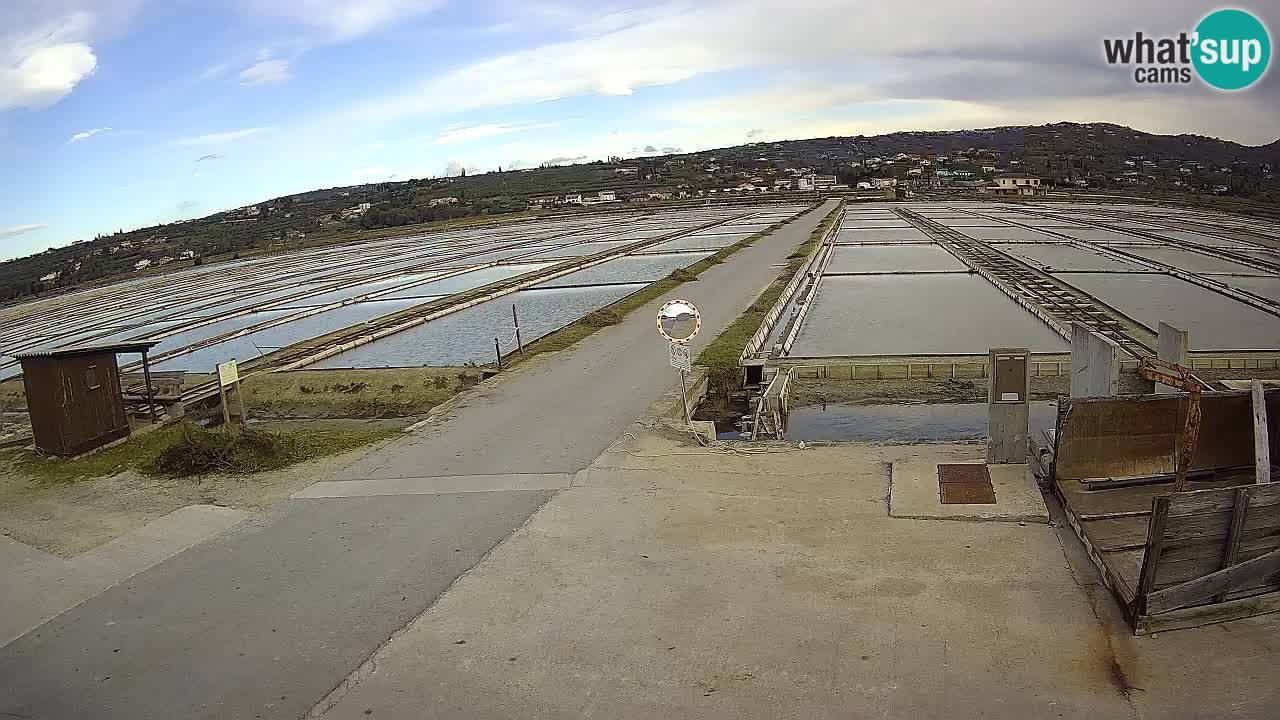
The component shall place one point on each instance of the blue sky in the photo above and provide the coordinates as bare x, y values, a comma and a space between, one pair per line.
125, 113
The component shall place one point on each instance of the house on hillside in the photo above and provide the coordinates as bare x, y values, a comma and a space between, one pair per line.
142, 264
542, 202
1015, 185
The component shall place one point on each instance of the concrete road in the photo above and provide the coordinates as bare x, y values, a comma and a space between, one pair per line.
558, 413
263, 622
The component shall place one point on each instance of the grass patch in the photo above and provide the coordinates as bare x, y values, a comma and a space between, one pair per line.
366, 393
722, 355
184, 449
566, 336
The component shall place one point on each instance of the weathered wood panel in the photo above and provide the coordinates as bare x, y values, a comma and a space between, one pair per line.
1204, 588
1126, 436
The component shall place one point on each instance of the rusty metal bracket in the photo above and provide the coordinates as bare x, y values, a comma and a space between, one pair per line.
1182, 378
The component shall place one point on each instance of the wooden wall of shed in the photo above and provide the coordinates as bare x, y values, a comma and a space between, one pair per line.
68, 417
1126, 436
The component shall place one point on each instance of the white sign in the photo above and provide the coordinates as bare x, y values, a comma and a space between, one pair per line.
680, 357
228, 373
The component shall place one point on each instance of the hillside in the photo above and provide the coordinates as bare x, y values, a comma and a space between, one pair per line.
1094, 156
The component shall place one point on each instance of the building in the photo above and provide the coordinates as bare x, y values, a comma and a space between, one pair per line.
804, 182
52, 277
573, 199
1016, 185
542, 202
607, 196
824, 182
187, 255
884, 183
142, 264
74, 396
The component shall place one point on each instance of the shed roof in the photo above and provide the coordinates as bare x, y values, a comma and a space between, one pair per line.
135, 346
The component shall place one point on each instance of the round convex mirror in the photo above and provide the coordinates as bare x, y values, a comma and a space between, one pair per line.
679, 320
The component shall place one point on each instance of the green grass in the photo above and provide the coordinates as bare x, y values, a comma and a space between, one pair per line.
722, 355
184, 449
613, 314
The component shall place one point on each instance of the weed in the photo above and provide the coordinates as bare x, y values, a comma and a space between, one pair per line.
601, 318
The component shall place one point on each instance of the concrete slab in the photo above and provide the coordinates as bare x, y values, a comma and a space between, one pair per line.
40, 586
312, 588
437, 485
913, 493
161, 538
683, 582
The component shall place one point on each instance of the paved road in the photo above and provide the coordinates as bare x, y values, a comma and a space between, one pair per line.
264, 621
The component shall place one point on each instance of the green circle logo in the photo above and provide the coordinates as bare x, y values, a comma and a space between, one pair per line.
1232, 49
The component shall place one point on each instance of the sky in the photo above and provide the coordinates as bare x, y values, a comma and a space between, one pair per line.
117, 114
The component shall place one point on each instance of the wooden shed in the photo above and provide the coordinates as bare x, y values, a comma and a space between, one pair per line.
74, 395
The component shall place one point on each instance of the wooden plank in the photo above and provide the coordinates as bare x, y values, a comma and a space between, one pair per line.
1203, 588
1122, 590
1151, 559
1236, 534
1207, 614
1198, 502
1261, 437
1252, 544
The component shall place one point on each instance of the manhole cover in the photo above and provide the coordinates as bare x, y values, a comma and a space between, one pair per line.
966, 484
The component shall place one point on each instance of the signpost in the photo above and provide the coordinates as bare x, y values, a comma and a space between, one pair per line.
679, 321
228, 376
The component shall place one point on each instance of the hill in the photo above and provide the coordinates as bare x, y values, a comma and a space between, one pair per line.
1098, 155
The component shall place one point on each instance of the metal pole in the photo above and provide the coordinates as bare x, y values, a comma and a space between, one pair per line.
497, 350
516, 320
684, 398
146, 378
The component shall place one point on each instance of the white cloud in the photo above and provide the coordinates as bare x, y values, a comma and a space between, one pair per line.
86, 134
265, 72
376, 173
465, 133
45, 76
213, 72
221, 137
454, 168
847, 53
340, 20
8, 231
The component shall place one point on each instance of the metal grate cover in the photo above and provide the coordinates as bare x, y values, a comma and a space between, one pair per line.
965, 484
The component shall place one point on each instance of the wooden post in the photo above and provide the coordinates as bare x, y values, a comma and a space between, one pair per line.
1261, 438
146, 378
244, 417
226, 413
1151, 558
1234, 535
497, 350
516, 320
